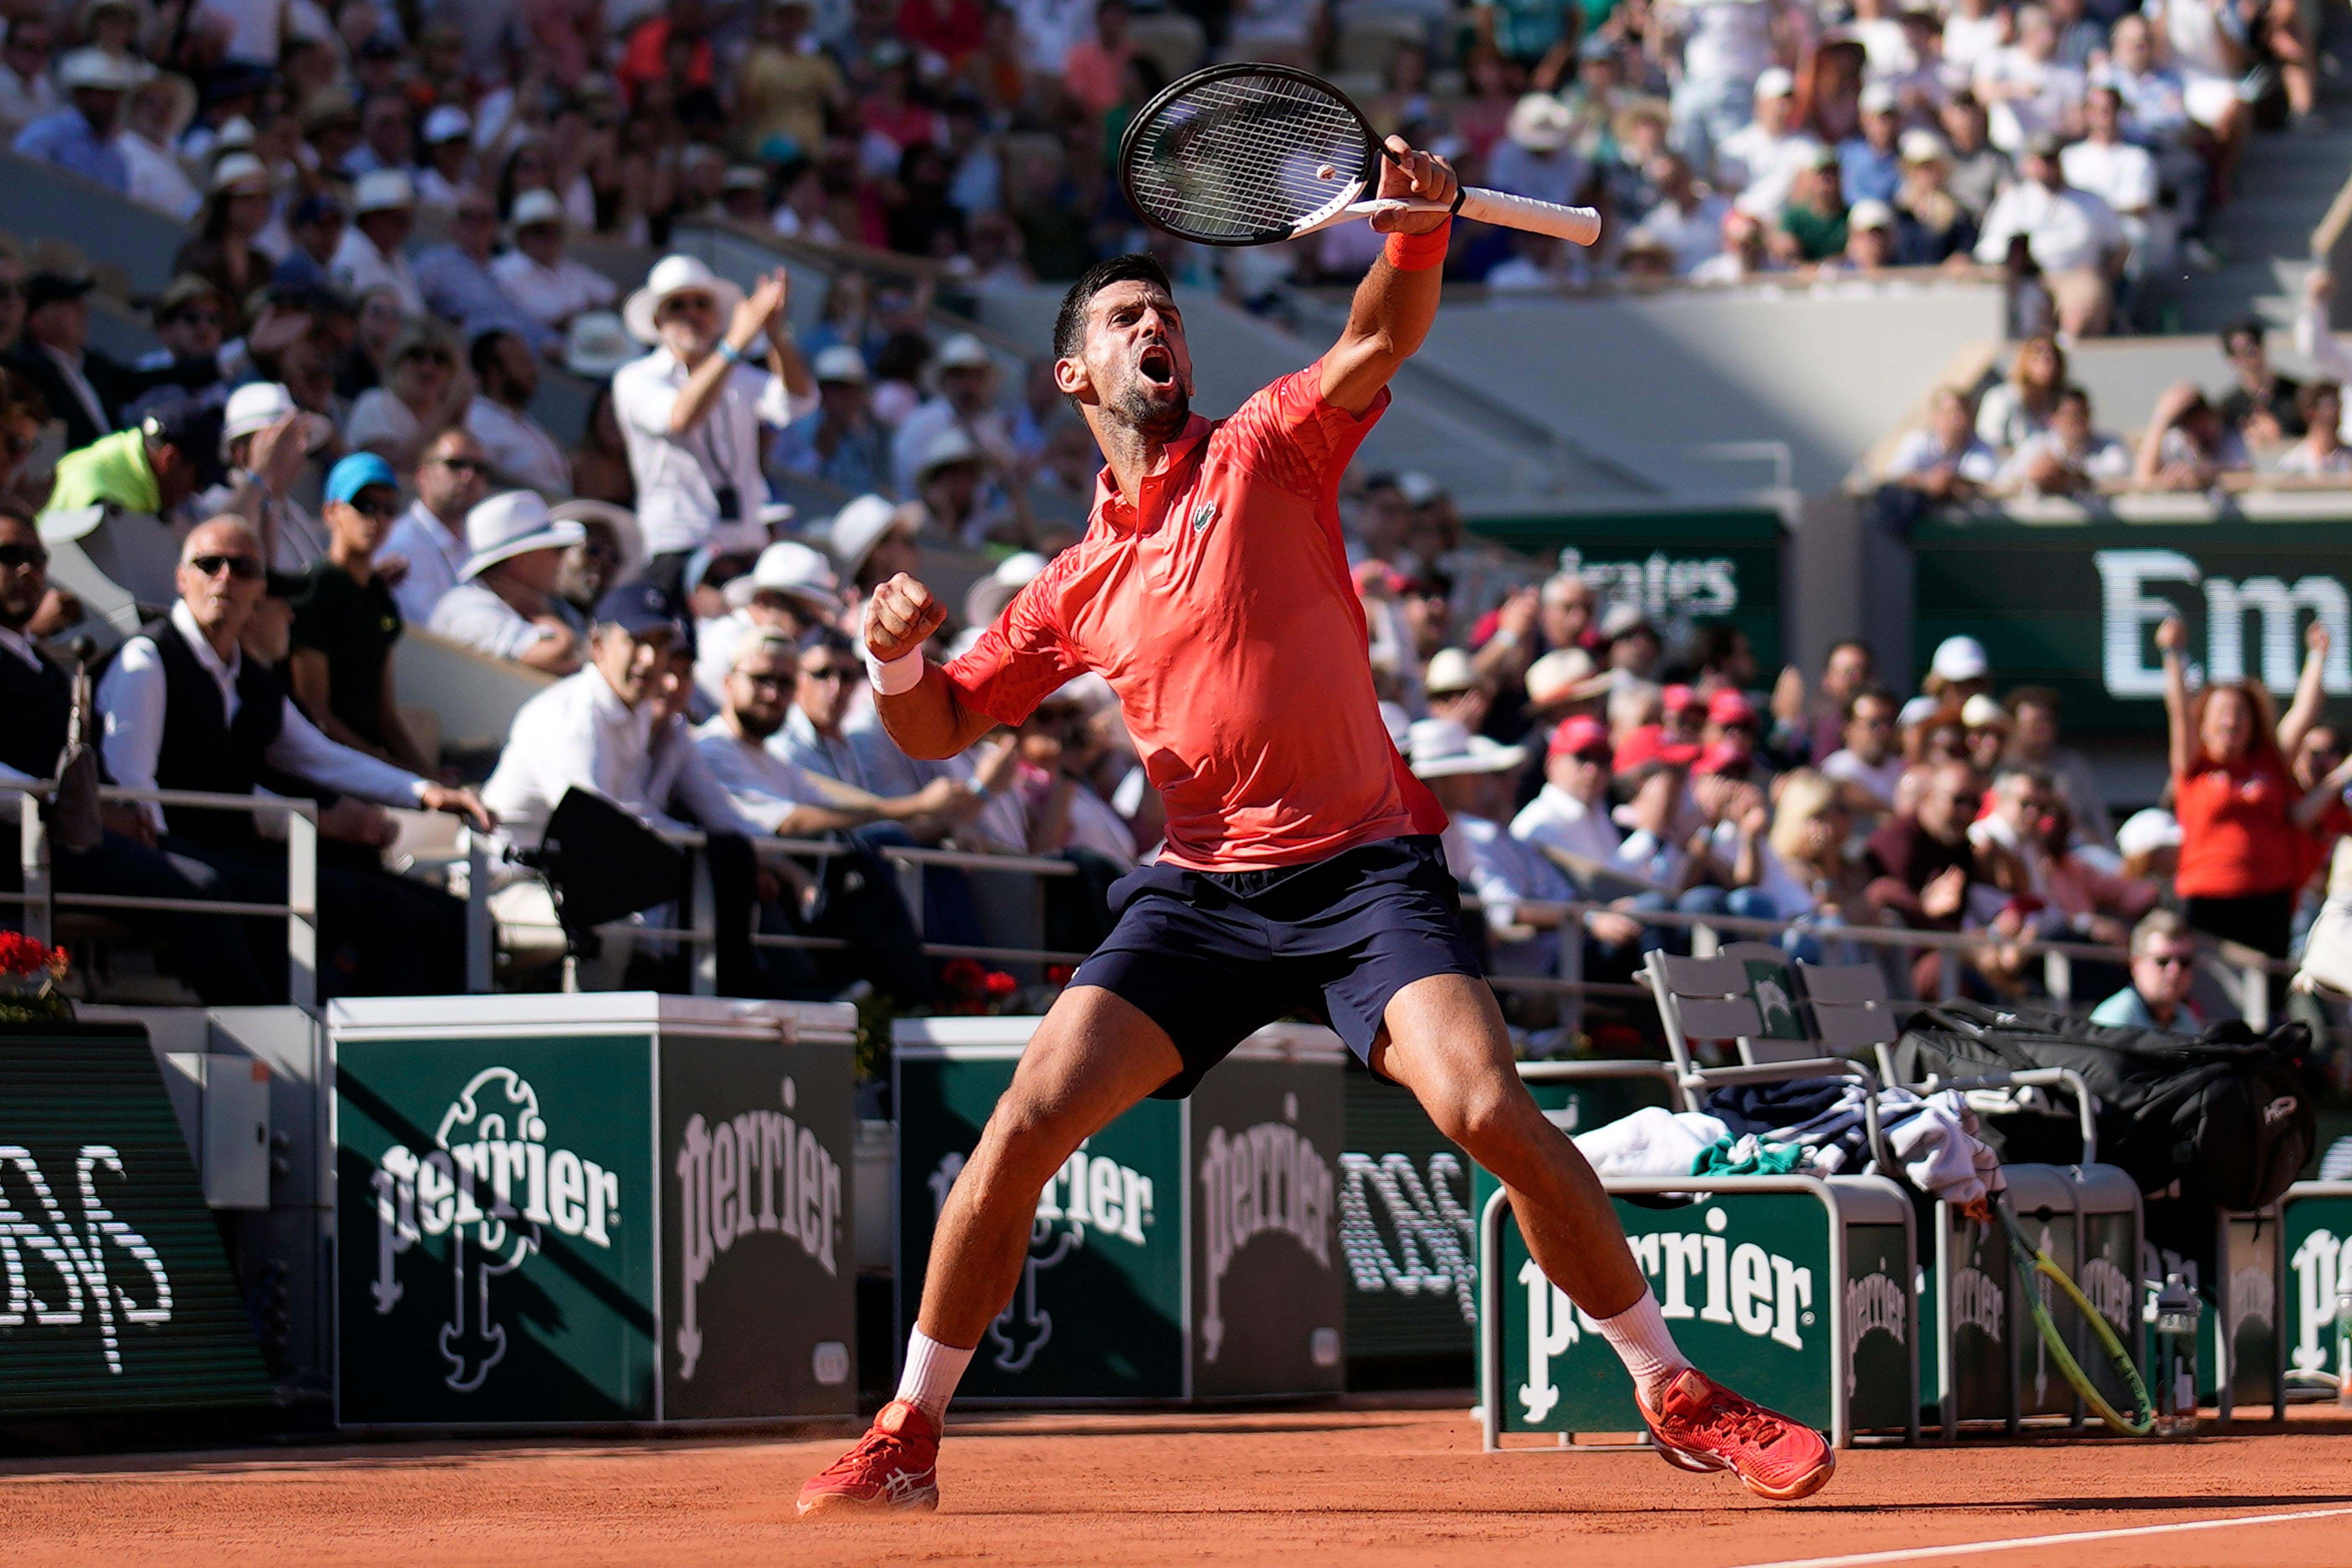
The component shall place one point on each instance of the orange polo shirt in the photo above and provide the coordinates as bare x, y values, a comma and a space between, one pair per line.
1222, 612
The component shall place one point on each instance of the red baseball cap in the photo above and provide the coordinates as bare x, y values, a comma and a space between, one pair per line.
1647, 745
1728, 707
1677, 698
1722, 756
1579, 734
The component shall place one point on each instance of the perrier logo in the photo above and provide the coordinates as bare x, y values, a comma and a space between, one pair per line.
491, 1184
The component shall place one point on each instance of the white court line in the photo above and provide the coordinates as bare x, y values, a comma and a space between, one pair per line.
1979, 1548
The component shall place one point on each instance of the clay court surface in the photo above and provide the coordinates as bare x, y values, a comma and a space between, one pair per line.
1355, 1486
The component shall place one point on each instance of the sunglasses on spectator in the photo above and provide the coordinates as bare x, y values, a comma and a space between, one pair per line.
2171, 960
16, 557
1598, 756
243, 568
199, 318
380, 507
428, 356
765, 682
463, 465
688, 304
833, 672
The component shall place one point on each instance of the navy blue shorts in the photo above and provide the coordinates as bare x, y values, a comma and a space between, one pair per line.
1214, 957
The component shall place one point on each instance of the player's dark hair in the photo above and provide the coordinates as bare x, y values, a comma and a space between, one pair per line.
1070, 322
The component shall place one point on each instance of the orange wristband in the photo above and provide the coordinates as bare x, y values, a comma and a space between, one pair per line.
1419, 252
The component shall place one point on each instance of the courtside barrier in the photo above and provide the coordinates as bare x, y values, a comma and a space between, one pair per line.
617, 1207
1796, 1288
41, 897
2316, 1222
1187, 1252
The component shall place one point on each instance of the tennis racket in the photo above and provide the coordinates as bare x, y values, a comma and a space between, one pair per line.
1254, 155
2031, 1260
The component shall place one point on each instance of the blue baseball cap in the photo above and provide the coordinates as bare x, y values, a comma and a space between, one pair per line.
355, 473
638, 608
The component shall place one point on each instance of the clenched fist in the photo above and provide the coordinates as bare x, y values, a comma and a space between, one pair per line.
900, 618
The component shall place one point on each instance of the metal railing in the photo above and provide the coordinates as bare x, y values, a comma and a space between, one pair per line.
2244, 972
41, 896
700, 935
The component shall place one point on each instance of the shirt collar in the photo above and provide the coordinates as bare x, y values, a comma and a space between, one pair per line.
21, 645
224, 671
452, 541
1111, 506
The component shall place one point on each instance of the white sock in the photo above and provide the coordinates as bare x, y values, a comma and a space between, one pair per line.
1642, 1340
933, 1370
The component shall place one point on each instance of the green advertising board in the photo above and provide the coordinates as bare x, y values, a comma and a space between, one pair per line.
2316, 1235
1682, 567
119, 1297
593, 1208
1186, 1251
2072, 600
1794, 1290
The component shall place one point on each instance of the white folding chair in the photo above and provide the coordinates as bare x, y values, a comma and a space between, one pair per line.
1714, 999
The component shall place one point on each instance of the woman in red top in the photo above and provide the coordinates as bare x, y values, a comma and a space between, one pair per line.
2245, 847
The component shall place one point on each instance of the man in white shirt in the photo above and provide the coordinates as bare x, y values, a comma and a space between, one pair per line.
1763, 158
1726, 45
1570, 813
543, 282
691, 412
505, 605
27, 94
1945, 461
183, 708
2070, 455
520, 449
1688, 223
2073, 238
966, 401
594, 730
1535, 158
373, 254
2025, 90
1471, 777
2120, 173
1867, 767
452, 476
770, 789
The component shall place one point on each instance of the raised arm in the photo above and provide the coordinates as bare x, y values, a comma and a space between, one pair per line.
1397, 298
2310, 692
2169, 638
751, 320
927, 720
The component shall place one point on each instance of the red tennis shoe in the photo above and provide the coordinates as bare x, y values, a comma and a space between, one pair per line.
894, 1468
1703, 1426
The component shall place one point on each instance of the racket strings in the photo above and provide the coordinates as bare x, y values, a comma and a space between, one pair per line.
1245, 156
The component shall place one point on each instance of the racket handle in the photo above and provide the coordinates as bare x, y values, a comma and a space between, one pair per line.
1580, 225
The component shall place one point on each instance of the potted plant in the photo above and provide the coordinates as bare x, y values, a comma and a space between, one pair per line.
32, 980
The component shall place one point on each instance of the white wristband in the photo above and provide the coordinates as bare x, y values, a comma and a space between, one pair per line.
902, 674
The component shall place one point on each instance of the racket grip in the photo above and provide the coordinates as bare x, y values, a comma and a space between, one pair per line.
1581, 225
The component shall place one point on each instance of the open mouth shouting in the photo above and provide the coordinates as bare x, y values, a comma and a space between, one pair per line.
1157, 364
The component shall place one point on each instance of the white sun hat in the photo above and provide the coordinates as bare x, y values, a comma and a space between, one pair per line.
515, 523
676, 275
1442, 748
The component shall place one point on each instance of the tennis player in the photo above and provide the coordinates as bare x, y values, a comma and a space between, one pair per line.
1302, 869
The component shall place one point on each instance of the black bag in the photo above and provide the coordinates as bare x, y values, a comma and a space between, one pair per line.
2225, 1114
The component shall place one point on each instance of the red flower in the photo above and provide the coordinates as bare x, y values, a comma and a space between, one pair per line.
999, 985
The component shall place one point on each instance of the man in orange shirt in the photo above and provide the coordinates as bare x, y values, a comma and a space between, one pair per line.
1302, 867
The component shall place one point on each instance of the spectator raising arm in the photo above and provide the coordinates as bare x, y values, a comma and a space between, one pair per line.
2314, 339
2310, 690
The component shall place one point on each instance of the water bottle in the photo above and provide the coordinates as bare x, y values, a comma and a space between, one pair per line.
2175, 1317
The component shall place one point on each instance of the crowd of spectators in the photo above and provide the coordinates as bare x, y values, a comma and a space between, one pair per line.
1586, 757
2032, 431
2077, 146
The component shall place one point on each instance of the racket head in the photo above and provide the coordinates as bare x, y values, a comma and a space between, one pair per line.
1232, 154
